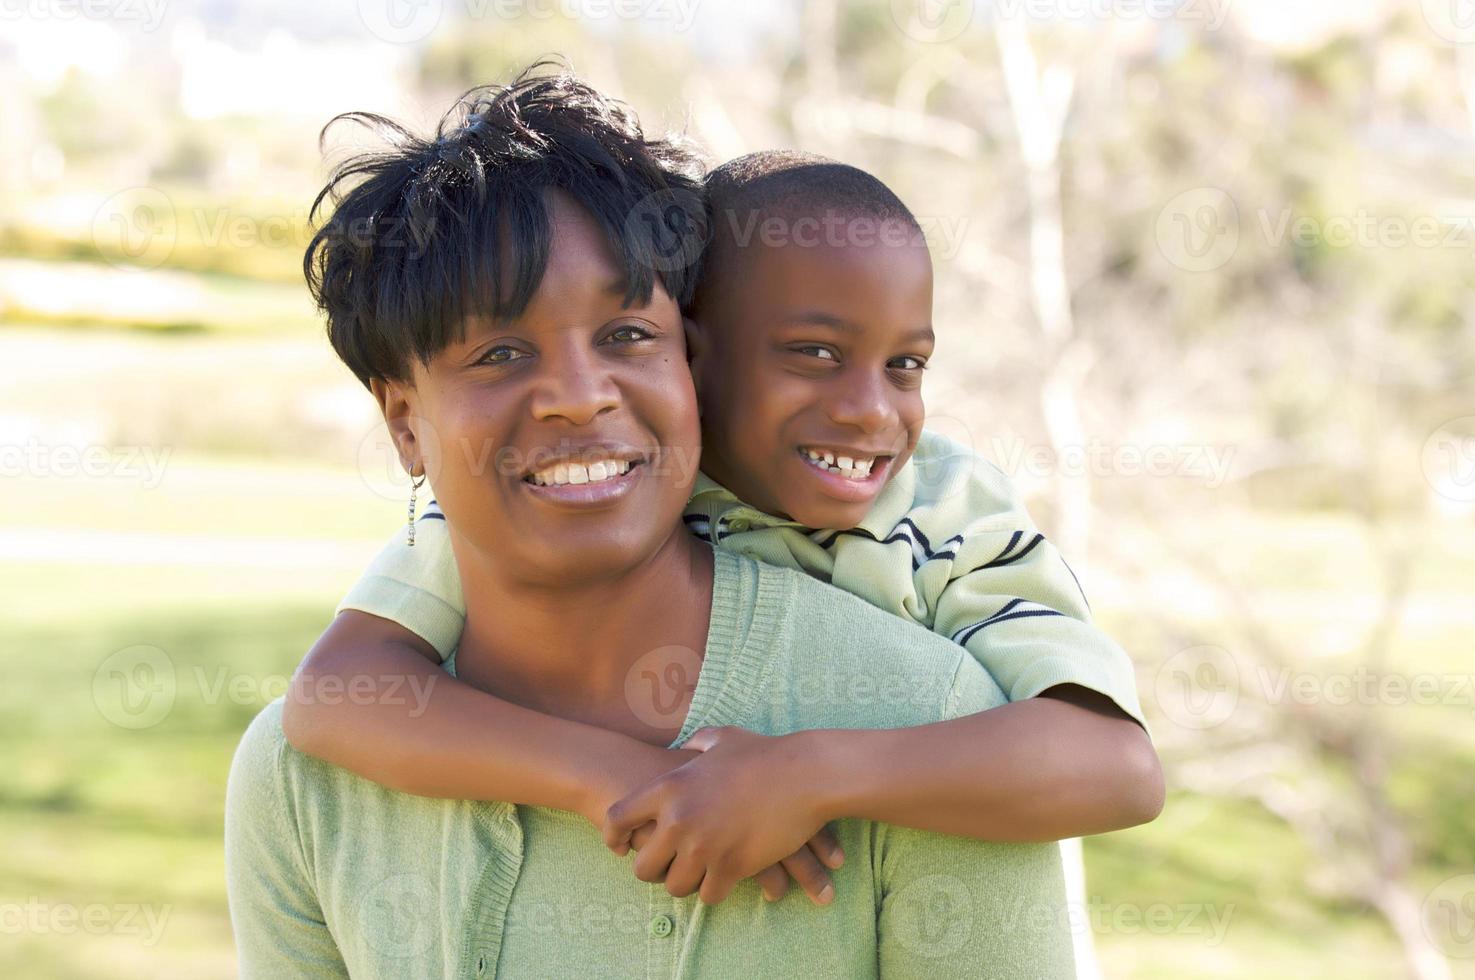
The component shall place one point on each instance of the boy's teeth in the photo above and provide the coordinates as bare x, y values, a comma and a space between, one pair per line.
846, 466
577, 474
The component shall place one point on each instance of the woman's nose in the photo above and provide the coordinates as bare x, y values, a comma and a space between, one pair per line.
574, 386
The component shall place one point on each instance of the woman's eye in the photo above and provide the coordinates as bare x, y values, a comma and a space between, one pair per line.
909, 363
501, 355
628, 335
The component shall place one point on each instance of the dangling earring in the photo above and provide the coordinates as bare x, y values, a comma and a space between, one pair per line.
410, 527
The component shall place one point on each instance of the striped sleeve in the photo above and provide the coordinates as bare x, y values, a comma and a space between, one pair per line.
417, 587
1002, 590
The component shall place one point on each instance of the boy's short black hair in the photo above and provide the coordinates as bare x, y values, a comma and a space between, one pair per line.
431, 231
747, 192
792, 183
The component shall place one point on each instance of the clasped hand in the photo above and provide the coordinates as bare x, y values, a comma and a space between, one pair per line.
741, 809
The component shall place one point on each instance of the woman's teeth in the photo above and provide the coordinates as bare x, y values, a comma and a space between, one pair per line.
851, 469
577, 473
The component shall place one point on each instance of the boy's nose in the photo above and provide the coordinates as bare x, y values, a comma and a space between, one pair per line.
864, 405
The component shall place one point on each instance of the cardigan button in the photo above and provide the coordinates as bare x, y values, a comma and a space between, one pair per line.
662, 926
481, 965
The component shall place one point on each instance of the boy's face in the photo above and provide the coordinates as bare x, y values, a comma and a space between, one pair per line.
808, 350
565, 441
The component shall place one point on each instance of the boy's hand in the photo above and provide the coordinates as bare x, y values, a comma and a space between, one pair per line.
730, 813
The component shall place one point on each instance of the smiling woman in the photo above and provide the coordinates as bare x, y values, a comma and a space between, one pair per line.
563, 363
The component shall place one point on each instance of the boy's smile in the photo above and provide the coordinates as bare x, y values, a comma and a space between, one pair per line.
809, 360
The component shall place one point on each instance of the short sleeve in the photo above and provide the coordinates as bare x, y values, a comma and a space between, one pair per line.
416, 586
999, 588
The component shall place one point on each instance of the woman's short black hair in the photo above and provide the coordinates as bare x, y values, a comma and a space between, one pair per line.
427, 232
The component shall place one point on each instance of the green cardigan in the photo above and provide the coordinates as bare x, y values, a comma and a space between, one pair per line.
330, 874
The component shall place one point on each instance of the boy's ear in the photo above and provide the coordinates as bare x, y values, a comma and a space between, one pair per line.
397, 408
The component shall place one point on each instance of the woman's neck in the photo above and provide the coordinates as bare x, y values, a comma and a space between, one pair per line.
570, 649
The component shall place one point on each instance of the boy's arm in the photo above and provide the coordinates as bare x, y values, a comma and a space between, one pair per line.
370, 697
1066, 764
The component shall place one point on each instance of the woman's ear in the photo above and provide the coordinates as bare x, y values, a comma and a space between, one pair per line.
397, 408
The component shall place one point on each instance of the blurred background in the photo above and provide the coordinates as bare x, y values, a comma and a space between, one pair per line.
1204, 273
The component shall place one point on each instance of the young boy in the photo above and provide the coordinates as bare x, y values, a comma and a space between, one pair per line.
808, 338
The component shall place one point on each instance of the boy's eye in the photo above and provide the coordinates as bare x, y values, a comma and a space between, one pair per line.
909, 363
813, 350
501, 354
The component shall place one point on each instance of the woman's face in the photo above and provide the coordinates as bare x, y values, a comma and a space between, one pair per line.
563, 445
